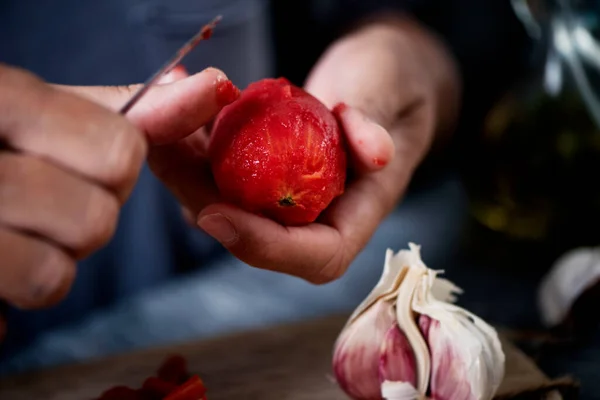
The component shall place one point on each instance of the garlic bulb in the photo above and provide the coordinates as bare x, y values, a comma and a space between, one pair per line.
407, 340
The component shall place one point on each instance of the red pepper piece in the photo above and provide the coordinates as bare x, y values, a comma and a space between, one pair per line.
121, 393
192, 389
157, 388
174, 369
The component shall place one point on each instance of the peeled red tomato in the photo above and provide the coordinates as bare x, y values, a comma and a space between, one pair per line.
277, 151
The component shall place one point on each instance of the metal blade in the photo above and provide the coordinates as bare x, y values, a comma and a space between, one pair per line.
203, 34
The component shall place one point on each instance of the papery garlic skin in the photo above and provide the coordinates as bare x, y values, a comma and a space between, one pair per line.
449, 367
358, 363
422, 343
467, 360
405, 318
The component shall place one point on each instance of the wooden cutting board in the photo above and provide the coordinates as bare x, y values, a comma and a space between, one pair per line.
290, 362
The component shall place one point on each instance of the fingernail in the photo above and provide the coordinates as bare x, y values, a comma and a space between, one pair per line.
180, 69
177, 73
219, 227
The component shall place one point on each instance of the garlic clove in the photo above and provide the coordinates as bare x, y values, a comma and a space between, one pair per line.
397, 359
424, 325
492, 354
449, 367
357, 352
497, 358
474, 341
399, 391
467, 361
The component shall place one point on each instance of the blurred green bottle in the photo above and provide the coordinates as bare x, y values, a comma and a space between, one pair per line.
540, 149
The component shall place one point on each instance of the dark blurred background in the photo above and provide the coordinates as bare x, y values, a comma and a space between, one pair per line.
527, 149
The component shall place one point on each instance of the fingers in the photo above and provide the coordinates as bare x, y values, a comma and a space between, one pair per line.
371, 145
66, 166
177, 73
184, 169
42, 199
313, 253
73, 133
182, 165
372, 72
320, 252
170, 111
33, 273
366, 202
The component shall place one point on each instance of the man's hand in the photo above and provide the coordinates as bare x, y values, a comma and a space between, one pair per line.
66, 167
402, 92
68, 162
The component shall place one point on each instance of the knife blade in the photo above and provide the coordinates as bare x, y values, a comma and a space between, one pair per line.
203, 34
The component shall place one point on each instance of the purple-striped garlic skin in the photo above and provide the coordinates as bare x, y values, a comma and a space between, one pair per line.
370, 350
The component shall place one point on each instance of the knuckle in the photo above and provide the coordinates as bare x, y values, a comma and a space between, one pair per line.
331, 270
125, 90
8, 168
16, 171
270, 250
97, 224
13, 77
49, 281
21, 91
125, 156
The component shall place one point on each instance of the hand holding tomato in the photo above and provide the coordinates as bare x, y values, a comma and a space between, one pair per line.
401, 92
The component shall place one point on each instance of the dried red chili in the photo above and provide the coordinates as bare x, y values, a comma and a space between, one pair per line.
174, 369
173, 382
156, 388
192, 389
121, 393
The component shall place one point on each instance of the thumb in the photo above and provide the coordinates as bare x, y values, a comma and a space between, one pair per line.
169, 111
369, 142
